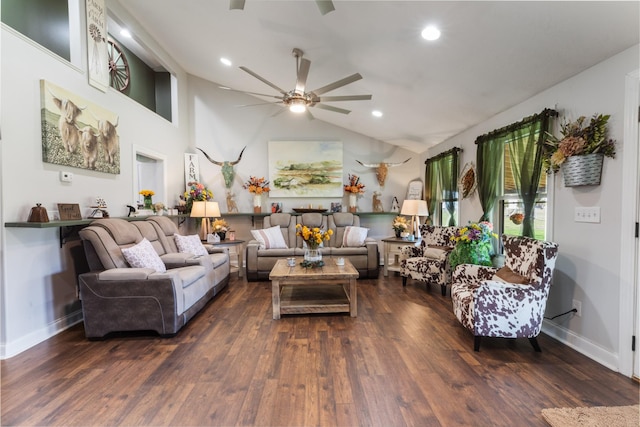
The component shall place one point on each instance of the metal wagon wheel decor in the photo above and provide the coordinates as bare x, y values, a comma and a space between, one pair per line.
118, 67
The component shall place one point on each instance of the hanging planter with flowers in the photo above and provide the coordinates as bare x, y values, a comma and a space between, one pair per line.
581, 150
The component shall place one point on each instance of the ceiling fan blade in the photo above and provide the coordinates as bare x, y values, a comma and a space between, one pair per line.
237, 4
325, 6
344, 98
261, 103
303, 73
280, 111
250, 93
308, 114
263, 80
332, 108
335, 85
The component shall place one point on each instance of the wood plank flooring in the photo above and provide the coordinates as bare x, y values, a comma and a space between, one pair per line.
404, 361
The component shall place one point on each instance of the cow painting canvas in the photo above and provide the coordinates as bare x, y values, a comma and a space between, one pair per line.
76, 132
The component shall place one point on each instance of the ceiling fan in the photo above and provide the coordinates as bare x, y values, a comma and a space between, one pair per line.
325, 6
299, 99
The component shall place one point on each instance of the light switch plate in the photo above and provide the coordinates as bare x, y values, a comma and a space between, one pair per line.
587, 214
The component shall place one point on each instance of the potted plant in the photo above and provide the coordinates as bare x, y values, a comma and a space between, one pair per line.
196, 192
400, 225
473, 245
580, 151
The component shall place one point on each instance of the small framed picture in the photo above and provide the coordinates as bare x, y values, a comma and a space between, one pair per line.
336, 207
276, 207
69, 211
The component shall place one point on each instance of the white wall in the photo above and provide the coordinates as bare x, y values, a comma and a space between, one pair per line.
588, 266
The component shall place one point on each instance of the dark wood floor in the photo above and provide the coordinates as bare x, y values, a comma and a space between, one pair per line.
404, 360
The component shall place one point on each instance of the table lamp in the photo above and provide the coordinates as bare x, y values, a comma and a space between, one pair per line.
205, 210
414, 208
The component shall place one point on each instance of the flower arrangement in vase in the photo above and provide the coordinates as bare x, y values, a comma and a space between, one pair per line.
257, 187
354, 188
473, 245
313, 237
147, 197
220, 227
583, 144
400, 225
196, 192
159, 208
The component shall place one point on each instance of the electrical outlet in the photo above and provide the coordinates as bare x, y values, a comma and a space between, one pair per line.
578, 306
66, 176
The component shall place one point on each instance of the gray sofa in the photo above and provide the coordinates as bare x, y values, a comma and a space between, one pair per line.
365, 259
118, 298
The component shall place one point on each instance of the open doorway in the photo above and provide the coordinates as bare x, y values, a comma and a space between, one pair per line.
149, 173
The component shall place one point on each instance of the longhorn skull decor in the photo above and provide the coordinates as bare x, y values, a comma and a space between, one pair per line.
382, 169
227, 167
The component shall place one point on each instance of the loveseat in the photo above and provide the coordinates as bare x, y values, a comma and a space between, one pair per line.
278, 240
163, 290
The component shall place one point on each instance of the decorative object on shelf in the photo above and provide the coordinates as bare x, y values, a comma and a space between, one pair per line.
191, 168
231, 203
69, 211
414, 208
257, 186
467, 183
100, 209
474, 245
395, 205
414, 190
308, 210
517, 218
400, 225
227, 167
382, 169
313, 237
220, 227
38, 214
336, 207
196, 192
147, 198
159, 208
276, 207
376, 202
354, 187
204, 210
581, 150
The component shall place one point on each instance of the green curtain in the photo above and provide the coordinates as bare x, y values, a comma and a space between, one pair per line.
489, 160
448, 165
431, 187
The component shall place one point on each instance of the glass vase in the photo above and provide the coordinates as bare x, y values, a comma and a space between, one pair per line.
148, 203
312, 254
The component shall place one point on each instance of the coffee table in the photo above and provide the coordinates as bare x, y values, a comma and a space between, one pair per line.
331, 288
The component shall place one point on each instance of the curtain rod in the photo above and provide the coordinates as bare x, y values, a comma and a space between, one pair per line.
454, 150
503, 130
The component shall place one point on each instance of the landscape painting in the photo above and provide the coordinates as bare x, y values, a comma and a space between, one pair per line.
76, 132
305, 168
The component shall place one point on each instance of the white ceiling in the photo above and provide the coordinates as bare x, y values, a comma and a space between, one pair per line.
491, 56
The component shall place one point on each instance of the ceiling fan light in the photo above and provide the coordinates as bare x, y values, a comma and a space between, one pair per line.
431, 33
297, 106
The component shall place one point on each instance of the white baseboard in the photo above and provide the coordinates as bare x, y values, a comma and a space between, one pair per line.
582, 345
11, 349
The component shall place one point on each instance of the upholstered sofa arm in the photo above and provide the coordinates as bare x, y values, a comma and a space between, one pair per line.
470, 273
411, 252
215, 250
516, 311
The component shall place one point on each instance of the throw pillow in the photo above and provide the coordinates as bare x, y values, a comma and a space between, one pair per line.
190, 244
142, 255
435, 253
270, 238
443, 248
505, 274
354, 236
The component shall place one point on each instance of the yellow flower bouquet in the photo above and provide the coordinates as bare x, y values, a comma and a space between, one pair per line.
313, 236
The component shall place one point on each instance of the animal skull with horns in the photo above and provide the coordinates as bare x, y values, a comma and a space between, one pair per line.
227, 167
382, 169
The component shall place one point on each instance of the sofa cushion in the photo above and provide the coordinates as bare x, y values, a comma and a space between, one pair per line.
435, 253
143, 255
270, 238
354, 236
506, 275
190, 244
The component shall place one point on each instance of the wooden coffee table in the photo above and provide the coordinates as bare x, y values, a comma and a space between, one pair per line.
328, 289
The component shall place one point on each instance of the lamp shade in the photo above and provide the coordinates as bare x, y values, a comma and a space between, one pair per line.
205, 209
414, 208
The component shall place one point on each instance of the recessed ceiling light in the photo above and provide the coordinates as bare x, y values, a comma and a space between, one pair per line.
376, 113
431, 33
226, 62
125, 33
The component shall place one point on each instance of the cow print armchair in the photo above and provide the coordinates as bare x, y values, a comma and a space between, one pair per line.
429, 261
508, 302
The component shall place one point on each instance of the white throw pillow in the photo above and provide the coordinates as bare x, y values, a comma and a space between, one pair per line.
270, 238
434, 253
142, 255
354, 236
190, 244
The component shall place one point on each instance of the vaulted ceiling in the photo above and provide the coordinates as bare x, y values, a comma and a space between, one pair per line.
491, 55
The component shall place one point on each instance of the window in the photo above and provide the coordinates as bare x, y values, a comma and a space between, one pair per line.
441, 177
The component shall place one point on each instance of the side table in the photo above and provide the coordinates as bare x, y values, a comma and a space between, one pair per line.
235, 247
393, 246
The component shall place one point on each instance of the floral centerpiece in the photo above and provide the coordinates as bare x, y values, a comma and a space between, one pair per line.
196, 192
473, 245
147, 197
159, 208
257, 186
313, 237
353, 187
578, 138
400, 225
220, 227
